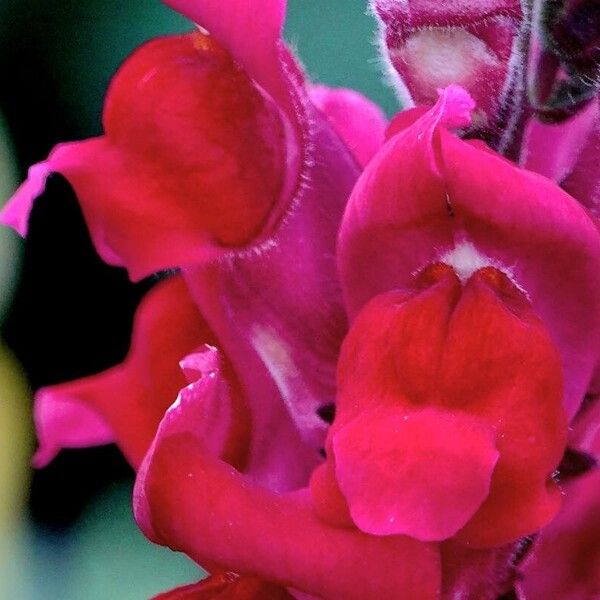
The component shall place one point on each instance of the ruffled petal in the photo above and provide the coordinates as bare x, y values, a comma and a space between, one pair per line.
185, 497
128, 401
359, 122
228, 586
429, 196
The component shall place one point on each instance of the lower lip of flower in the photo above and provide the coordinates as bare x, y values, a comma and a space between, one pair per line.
449, 409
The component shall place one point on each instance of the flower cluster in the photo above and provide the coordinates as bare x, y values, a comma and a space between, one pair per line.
370, 368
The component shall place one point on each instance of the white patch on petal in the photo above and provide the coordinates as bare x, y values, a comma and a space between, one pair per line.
175, 404
438, 57
273, 350
465, 259
277, 357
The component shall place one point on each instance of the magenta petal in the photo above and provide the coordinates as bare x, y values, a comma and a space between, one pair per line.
62, 422
185, 497
359, 122
16, 213
420, 473
553, 149
429, 196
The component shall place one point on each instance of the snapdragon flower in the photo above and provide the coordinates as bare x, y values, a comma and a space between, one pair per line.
370, 367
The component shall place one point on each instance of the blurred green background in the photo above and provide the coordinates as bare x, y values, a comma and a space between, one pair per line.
70, 535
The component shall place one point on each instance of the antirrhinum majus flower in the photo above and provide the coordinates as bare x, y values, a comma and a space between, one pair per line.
455, 384
224, 170
429, 44
355, 385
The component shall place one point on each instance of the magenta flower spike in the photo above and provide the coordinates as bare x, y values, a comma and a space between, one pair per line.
370, 366
436, 431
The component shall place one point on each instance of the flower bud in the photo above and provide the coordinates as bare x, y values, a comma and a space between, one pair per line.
430, 45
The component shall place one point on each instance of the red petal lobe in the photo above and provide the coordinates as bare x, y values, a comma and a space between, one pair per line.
422, 474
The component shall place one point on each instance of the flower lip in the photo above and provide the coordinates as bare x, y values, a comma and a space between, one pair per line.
448, 367
398, 219
398, 469
185, 497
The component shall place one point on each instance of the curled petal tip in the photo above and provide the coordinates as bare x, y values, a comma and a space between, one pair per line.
206, 410
457, 105
16, 212
453, 110
203, 362
64, 422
